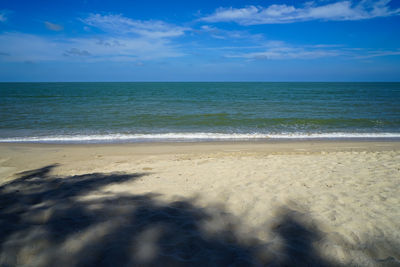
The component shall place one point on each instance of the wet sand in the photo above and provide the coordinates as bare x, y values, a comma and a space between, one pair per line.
314, 203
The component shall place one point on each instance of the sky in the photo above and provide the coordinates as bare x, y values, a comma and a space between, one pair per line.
218, 40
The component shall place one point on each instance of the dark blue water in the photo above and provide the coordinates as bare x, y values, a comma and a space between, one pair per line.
89, 112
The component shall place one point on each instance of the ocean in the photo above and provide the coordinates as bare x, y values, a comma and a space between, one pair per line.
197, 111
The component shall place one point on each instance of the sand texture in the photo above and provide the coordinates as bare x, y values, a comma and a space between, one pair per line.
222, 204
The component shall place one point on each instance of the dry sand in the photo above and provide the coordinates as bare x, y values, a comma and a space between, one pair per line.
280, 204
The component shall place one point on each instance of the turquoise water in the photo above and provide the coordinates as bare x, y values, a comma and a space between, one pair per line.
112, 112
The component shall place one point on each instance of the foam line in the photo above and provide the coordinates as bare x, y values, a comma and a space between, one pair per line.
190, 137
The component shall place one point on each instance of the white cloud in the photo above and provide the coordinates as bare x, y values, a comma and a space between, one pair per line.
278, 50
229, 34
278, 14
118, 24
22, 47
291, 53
53, 26
76, 52
26, 47
379, 53
281, 50
3, 15
19, 47
123, 39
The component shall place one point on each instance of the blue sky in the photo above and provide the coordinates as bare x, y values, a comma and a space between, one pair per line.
321, 40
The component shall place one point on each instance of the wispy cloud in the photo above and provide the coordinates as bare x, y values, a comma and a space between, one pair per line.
379, 53
278, 50
278, 14
122, 39
53, 26
118, 24
27, 47
3, 15
76, 52
19, 47
229, 34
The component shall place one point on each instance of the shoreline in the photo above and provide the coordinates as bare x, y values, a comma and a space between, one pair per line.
200, 138
341, 142
19, 157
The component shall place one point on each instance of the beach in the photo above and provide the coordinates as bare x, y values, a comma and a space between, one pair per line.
320, 203
200, 133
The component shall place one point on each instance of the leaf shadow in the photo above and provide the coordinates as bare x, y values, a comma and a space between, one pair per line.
45, 222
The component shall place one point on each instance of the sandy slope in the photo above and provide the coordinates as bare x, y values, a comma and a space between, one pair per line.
310, 203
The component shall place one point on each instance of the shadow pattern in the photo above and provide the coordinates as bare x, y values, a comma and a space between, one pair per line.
44, 222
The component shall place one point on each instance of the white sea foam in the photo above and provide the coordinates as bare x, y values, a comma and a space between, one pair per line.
110, 138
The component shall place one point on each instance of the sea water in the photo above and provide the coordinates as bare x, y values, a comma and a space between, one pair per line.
197, 111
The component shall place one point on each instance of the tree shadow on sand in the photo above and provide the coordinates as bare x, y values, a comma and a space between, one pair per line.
45, 222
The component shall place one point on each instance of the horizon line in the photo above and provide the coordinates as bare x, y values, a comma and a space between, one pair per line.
200, 81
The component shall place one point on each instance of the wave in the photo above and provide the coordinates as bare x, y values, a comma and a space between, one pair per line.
200, 136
